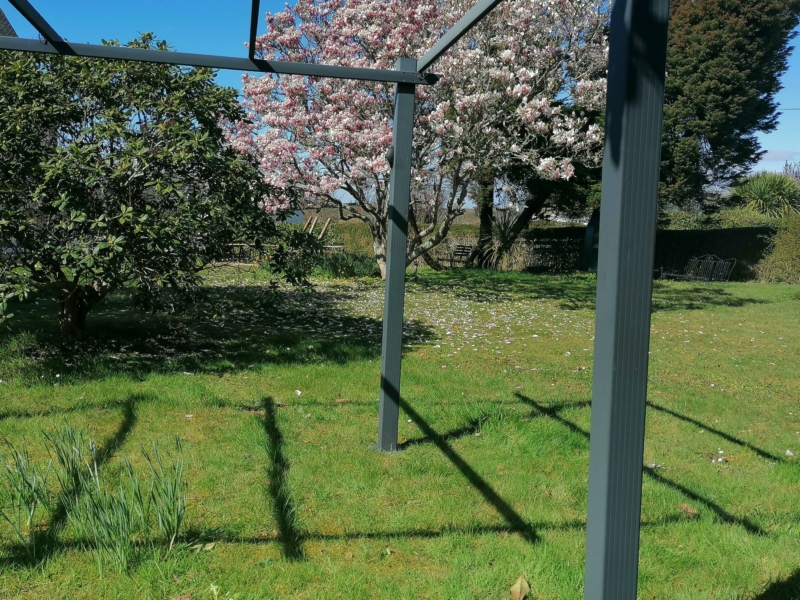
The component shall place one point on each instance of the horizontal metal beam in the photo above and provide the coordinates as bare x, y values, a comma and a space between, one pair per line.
456, 32
219, 62
27, 10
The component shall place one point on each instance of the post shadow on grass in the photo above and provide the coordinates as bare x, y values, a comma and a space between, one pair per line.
722, 514
48, 412
289, 534
47, 539
260, 327
228, 536
785, 589
725, 436
513, 518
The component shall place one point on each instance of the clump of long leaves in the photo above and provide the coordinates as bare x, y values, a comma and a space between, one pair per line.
168, 491
106, 517
65, 446
27, 484
498, 244
771, 194
112, 519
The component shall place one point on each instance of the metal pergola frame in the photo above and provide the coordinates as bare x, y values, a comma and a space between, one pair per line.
634, 114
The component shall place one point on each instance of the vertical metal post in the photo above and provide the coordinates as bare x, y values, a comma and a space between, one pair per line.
399, 196
634, 116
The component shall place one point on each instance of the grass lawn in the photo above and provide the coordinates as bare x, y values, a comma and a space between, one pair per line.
274, 397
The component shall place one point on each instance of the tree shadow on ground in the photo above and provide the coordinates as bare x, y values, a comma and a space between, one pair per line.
235, 328
569, 292
47, 542
786, 589
553, 412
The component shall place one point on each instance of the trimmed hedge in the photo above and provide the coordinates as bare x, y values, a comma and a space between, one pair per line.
782, 264
559, 249
748, 245
735, 218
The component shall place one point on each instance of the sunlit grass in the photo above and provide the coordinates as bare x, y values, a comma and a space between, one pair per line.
285, 498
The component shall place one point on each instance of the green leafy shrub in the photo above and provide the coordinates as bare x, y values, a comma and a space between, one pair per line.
782, 264
732, 218
347, 266
771, 194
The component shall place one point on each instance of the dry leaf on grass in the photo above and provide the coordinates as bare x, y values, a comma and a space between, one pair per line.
689, 511
184, 597
520, 589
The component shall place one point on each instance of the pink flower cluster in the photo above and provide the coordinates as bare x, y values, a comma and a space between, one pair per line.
516, 90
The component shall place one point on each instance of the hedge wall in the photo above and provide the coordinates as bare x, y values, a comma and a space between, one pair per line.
558, 249
748, 245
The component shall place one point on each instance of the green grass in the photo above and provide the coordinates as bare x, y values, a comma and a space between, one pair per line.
286, 500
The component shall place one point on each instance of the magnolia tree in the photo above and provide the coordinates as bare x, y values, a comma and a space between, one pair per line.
516, 92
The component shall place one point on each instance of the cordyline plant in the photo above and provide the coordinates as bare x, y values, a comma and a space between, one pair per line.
117, 174
519, 90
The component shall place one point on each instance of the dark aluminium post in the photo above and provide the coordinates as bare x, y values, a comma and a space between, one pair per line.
399, 196
634, 115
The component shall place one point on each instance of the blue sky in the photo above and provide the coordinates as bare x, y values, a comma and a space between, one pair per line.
222, 27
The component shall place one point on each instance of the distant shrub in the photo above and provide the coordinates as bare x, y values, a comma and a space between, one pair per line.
345, 265
782, 264
771, 194
733, 218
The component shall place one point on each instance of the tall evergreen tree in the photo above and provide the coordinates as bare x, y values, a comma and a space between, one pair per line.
724, 64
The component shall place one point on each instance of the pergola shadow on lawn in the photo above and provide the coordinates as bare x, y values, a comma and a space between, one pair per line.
291, 536
633, 121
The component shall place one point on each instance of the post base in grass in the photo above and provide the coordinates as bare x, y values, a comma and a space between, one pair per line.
377, 448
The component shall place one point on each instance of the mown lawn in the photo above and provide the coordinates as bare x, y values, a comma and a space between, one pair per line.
274, 397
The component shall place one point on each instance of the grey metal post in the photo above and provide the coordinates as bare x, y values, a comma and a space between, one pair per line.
637, 62
399, 196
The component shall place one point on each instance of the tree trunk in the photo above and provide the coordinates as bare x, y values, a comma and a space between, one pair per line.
484, 199
413, 227
72, 315
75, 307
432, 262
379, 239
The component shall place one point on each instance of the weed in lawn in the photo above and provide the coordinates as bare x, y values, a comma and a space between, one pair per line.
27, 488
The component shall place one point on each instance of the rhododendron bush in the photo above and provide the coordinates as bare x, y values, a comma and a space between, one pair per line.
518, 91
